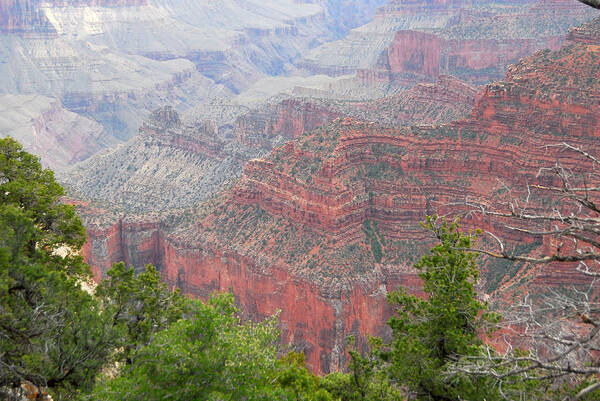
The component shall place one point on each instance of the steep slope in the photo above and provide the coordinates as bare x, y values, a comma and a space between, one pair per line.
113, 88
231, 42
178, 161
328, 223
171, 163
362, 47
449, 99
115, 61
60, 137
411, 41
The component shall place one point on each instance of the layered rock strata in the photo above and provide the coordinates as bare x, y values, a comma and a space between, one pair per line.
178, 161
415, 41
327, 224
171, 163
117, 60
446, 100
584, 34
284, 120
60, 137
449, 99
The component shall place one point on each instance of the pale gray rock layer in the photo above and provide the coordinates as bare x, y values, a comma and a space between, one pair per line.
116, 64
60, 137
171, 163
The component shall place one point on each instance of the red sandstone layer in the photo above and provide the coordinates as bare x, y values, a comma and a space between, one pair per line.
329, 223
475, 45
289, 119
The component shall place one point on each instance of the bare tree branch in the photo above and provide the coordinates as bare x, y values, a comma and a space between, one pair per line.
591, 3
554, 337
586, 391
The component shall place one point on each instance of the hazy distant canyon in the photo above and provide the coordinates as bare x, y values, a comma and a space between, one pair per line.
114, 62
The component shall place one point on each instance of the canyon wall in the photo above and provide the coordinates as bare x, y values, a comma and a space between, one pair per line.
59, 137
171, 163
114, 61
178, 160
23, 17
416, 41
475, 46
474, 60
327, 224
314, 319
287, 119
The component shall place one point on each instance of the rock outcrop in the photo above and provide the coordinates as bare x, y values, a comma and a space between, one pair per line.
414, 41
588, 34
327, 224
171, 163
284, 120
60, 137
178, 161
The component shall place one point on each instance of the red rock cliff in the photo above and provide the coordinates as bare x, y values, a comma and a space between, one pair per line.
326, 225
474, 45
288, 119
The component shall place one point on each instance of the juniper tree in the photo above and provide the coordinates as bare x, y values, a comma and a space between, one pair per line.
431, 334
51, 333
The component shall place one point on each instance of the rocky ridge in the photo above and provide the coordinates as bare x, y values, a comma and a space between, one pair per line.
449, 99
328, 223
180, 160
60, 137
584, 34
171, 163
411, 41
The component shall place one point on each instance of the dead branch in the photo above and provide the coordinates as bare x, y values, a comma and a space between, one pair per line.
555, 337
591, 3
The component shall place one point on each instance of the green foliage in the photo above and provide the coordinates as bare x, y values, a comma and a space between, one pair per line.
296, 382
51, 333
212, 355
26, 186
138, 307
428, 334
374, 239
367, 379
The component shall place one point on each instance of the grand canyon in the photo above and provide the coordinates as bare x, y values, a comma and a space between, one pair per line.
287, 151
